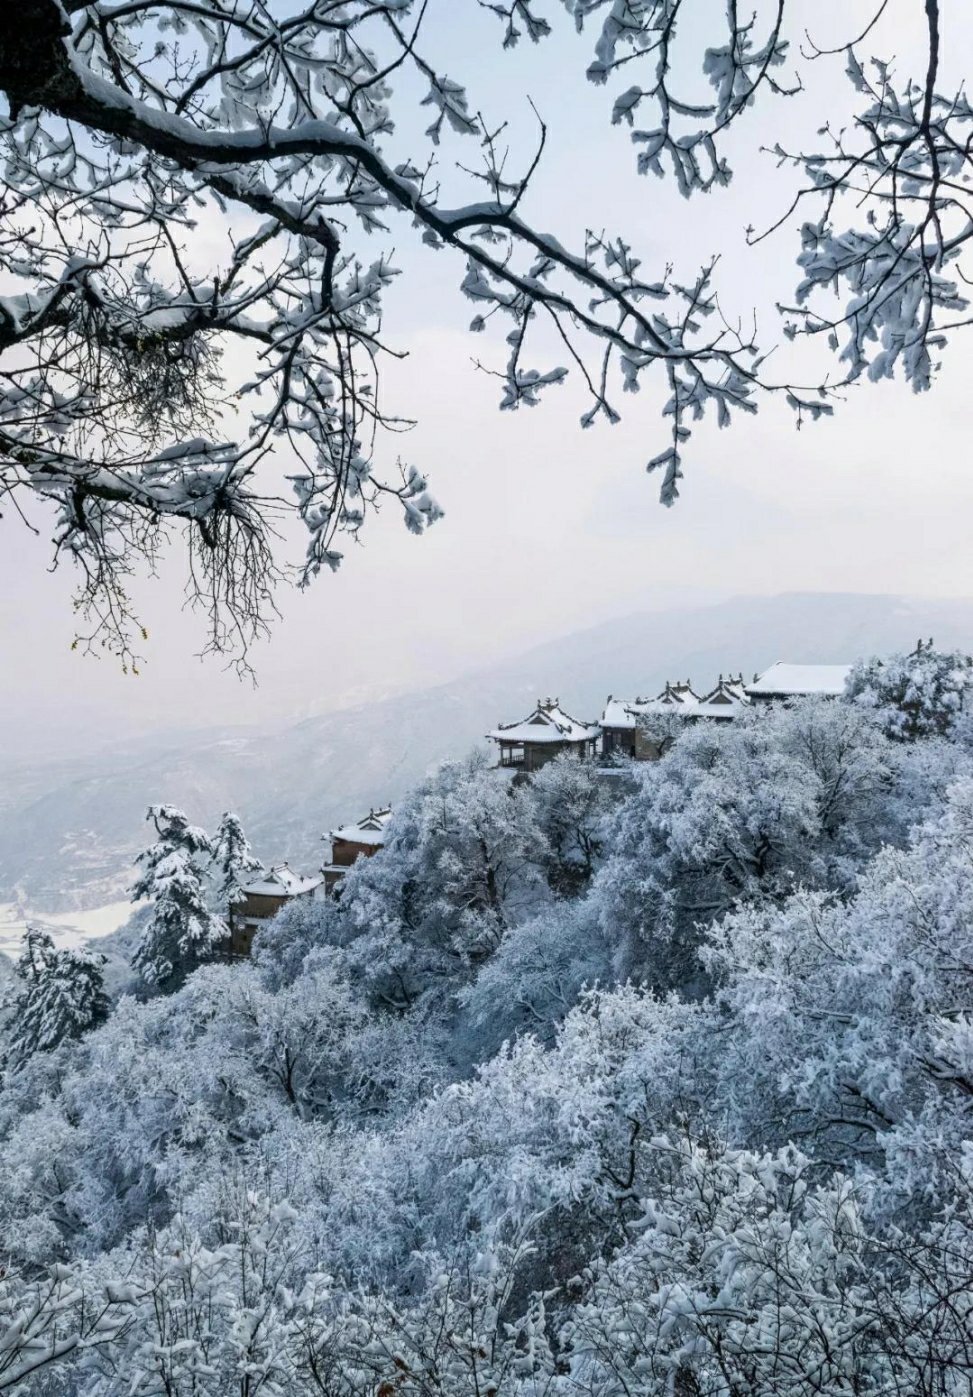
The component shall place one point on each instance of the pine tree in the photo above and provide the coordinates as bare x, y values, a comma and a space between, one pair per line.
232, 857
60, 995
181, 933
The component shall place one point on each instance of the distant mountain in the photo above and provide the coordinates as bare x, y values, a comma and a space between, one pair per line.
69, 829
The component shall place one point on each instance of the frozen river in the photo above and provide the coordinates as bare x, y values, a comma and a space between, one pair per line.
66, 928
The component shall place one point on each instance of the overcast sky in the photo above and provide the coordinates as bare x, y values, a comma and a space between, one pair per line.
549, 528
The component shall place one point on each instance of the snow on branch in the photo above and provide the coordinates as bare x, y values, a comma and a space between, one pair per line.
185, 195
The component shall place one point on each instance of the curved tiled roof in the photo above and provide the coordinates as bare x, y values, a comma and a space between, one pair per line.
279, 881
369, 830
547, 723
794, 680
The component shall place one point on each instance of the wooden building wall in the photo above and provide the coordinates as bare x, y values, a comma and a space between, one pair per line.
346, 851
620, 742
248, 916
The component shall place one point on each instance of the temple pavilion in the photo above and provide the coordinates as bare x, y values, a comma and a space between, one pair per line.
349, 843
262, 895
543, 735
783, 682
627, 725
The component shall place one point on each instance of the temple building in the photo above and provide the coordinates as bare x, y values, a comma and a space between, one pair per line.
642, 728
619, 726
783, 682
542, 735
262, 897
679, 696
725, 701
352, 842
629, 730
627, 725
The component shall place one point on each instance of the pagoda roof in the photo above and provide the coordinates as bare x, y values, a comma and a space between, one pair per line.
279, 881
682, 694
784, 680
721, 702
625, 713
368, 830
548, 723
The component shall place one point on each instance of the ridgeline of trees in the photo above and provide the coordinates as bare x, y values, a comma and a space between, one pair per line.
581, 1088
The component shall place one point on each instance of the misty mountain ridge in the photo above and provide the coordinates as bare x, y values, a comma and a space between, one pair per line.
70, 828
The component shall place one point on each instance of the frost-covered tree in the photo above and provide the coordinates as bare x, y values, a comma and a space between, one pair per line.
740, 812
214, 1316
537, 975
200, 202
181, 931
59, 994
283, 944
738, 1275
47, 1321
385, 1158
743, 1272
168, 1078
875, 992
570, 801
921, 694
302, 1038
460, 865
232, 857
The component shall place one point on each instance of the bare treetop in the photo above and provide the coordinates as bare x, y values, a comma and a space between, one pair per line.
137, 129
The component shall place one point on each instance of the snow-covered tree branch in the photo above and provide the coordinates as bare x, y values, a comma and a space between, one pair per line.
149, 368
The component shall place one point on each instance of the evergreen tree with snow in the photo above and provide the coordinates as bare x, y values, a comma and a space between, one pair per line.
921, 694
181, 933
59, 994
232, 858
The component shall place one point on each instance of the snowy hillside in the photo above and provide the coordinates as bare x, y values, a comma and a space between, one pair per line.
68, 832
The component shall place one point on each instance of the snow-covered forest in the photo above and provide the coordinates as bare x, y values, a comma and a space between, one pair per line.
657, 1085
644, 1079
